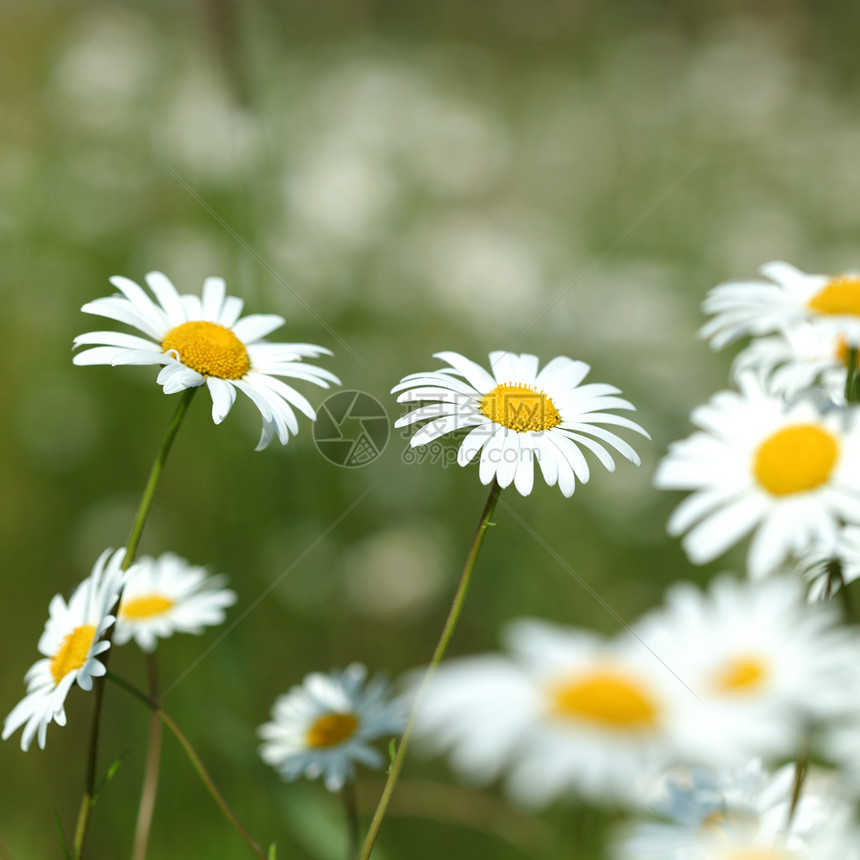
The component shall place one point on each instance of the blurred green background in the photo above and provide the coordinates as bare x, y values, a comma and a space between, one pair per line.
423, 176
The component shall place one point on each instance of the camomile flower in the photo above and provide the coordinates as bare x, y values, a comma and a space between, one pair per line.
697, 804
324, 726
762, 662
817, 565
789, 296
203, 341
788, 472
167, 595
568, 713
71, 642
517, 414
800, 359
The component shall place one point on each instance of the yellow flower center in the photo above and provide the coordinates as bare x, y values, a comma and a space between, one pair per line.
208, 348
741, 675
144, 607
795, 459
331, 729
520, 407
73, 651
840, 295
605, 698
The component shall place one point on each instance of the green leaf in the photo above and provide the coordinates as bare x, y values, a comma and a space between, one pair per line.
111, 773
60, 834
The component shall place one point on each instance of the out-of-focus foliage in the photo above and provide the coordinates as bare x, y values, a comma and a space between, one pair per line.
395, 179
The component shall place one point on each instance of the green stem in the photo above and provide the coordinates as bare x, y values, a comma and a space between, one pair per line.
153, 765
130, 552
438, 654
851, 377
152, 484
800, 769
162, 715
835, 578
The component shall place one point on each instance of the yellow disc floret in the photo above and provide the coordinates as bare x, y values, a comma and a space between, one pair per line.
795, 459
839, 295
520, 407
741, 675
331, 729
73, 651
606, 698
147, 606
208, 348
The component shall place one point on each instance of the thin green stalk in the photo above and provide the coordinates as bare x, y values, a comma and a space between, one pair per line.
438, 654
153, 766
800, 769
162, 715
130, 553
851, 393
152, 484
834, 579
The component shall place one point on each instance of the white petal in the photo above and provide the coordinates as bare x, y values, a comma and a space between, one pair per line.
256, 326
473, 373
223, 397
168, 297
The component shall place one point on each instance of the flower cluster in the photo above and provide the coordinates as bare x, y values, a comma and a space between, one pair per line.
686, 715
779, 457
710, 679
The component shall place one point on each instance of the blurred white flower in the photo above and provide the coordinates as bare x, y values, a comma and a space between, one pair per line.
71, 642
112, 58
324, 726
566, 713
397, 572
791, 473
762, 662
343, 191
203, 131
476, 268
167, 595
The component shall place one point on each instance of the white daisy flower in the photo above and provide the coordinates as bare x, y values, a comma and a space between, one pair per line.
204, 341
166, 595
518, 414
803, 357
761, 661
742, 308
791, 472
71, 642
567, 713
701, 804
324, 726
